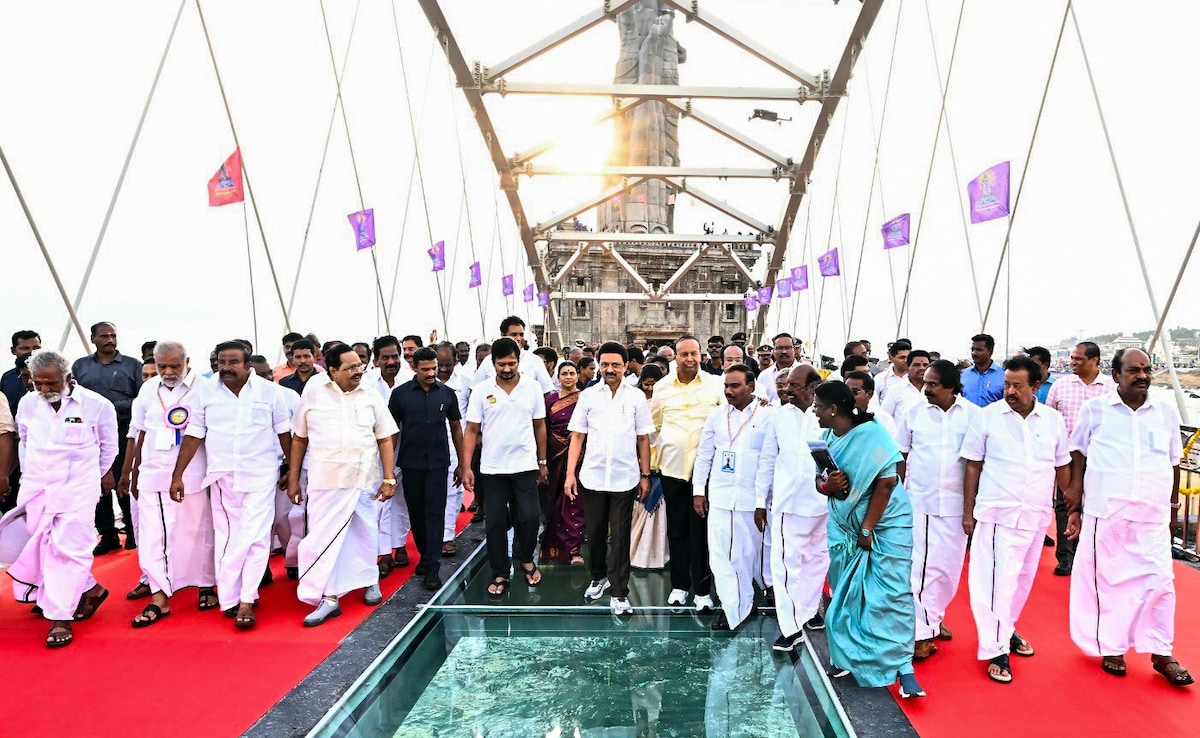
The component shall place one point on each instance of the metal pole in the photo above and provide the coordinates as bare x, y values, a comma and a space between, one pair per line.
1175, 287
1137, 244
45, 254
112, 203
287, 321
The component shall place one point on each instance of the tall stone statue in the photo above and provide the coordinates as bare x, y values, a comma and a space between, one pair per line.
648, 135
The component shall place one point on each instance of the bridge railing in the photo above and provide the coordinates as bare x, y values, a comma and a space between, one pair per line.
1184, 539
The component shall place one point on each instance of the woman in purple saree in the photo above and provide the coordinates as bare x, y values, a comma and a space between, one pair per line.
563, 535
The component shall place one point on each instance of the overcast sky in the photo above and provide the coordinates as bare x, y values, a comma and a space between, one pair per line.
171, 267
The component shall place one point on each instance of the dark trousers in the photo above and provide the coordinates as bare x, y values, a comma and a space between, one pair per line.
602, 512
478, 499
506, 495
425, 493
687, 539
106, 524
1064, 548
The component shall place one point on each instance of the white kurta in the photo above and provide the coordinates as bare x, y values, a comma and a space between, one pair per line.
1123, 583
932, 440
454, 494
391, 515
64, 454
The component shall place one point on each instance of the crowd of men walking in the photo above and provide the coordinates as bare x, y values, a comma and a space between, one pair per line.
692, 460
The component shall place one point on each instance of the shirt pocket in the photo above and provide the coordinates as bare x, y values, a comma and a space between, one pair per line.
77, 435
1159, 442
260, 415
756, 439
364, 419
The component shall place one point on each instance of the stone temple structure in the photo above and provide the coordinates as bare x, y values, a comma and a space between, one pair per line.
647, 135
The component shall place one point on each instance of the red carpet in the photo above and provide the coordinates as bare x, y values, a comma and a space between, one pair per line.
1058, 691
194, 674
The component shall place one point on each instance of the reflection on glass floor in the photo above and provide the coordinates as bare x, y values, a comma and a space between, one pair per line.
539, 663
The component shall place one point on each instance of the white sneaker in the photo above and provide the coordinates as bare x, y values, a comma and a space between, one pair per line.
327, 609
621, 606
704, 603
677, 597
596, 588
372, 596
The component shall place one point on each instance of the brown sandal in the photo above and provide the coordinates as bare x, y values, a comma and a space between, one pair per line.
1114, 665
138, 592
1178, 676
999, 670
60, 635
89, 603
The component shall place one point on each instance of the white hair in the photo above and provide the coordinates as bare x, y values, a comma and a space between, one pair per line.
170, 347
45, 359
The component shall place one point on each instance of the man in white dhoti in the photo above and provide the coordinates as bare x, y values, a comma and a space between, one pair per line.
726, 463
785, 487
1125, 453
243, 421
930, 437
391, 370
68, 444
1016, 451
176, 534
346, 431
459, 382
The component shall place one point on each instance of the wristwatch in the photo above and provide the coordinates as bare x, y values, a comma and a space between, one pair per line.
645, 476
865, 533
390, 482
541, 462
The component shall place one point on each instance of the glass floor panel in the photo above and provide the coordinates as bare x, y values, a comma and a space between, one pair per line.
540, 663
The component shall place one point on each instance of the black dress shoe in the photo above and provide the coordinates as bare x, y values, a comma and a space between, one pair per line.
1047, 541
1063, 570
130, 542
267, 578
107, 545
721, 623
432, 581
293, 572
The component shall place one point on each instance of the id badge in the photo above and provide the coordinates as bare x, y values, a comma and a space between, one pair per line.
164, 440
728, 462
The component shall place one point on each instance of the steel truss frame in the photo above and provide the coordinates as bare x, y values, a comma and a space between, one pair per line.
477, 80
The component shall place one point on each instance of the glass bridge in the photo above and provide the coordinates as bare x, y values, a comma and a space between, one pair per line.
539, 662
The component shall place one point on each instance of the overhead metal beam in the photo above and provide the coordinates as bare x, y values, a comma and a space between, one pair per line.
693, 14
829, 105
633, 273
588, 204
636, 297
620, 107
569, 264
683, 186
649, 238
737, 262
684, 268
650, 92
559, 37
465, 79
685, 109
656, 172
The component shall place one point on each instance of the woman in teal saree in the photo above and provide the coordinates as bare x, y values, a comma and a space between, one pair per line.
870, 618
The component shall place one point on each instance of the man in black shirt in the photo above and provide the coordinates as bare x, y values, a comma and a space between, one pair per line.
422, 407
303, 357
117, 378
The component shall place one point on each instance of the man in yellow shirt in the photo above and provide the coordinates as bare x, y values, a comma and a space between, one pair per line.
679, 408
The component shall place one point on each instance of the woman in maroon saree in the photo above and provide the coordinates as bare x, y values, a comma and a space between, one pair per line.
563, 535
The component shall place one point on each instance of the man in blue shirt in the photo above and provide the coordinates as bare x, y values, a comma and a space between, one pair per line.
983, 383
117, 378
1042, 357
422, 407
24, 343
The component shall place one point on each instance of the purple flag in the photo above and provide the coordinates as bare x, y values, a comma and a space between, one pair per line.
764, 295
988, 194
543, 299
506, 284
783, 288
438, 255
800, 278
476, 277
895, 232
828, 263
363, 223
527, 293
751, 303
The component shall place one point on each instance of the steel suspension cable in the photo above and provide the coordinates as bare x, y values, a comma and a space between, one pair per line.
362, 205
112, 203
287, 321
937, 137
250, 272
466, 199
887, 89
420, 171
837, 180
312, 208
1025, 167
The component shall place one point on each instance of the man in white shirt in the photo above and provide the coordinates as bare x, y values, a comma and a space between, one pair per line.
459, 384
613, 419
930, 436
509, 413
1016, 451
904, 395
898, 364
1125, 454
391, 371
723, 492
68, 444
8, 448
529, 364
862, 385
346, 431
797, 514
243, 421
785, 359
176, 534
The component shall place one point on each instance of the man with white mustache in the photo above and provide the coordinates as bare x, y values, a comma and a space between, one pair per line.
68, 444
176, 531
